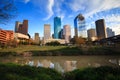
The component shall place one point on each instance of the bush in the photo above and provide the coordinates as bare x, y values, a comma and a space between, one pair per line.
17, 72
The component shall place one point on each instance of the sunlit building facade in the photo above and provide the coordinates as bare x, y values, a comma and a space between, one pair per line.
6, 36
91, 34
47, 32
67, 33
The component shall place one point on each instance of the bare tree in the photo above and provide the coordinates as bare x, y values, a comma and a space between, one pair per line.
7, 10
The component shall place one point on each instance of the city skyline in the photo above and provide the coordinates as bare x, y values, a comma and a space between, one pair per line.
42, 12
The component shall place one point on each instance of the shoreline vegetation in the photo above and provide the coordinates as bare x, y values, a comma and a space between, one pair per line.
33, 50
10, 71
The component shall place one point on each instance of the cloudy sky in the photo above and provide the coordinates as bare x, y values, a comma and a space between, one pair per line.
40, 12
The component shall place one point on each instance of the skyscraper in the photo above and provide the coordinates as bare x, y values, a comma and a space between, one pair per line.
91, 34
67, 33
47, 31
110, 33
25, 27
37, 38
79, 26
100, 29
17, 26
57, 27
21, 28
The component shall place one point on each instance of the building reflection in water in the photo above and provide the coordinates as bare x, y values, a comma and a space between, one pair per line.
63, 65
68, 65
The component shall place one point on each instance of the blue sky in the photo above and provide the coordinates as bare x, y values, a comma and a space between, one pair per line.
40, 12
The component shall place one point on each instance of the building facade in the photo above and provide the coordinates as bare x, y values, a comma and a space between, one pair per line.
91, 34
6, 36
79, 26
101, 29
57, 27
21, 27
47, 32
110, 33
67, 33
37, 38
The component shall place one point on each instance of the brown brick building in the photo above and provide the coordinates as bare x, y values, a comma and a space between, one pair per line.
21, 28
6, 35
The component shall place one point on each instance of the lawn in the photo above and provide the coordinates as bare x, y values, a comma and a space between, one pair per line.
24, 48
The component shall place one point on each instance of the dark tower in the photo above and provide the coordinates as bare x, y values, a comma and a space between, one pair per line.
100, 29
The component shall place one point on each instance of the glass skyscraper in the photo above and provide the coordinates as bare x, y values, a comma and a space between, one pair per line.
79, 26
57, 27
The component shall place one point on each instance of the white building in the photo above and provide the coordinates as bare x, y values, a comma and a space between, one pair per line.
110, 33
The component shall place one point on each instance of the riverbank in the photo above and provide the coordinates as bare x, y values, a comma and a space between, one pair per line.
18, 72
32, 50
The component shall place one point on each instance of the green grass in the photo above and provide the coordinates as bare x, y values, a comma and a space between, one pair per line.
24, 48
59, 50
17, 72
41, 50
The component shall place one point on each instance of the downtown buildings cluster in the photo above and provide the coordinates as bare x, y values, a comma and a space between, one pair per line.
62, 35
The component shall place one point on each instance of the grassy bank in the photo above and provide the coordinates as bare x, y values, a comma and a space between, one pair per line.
17, 72
31, 50
100, 73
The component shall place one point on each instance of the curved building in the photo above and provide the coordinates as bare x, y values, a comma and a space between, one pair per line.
57, 27
79, 26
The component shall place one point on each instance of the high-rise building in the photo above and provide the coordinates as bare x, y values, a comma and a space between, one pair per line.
79, 26
67, 33
17, 24
25, 27
57, 27
91, 34
37, 38
110, 33
101, 29
21, 28
6, 36
47, 31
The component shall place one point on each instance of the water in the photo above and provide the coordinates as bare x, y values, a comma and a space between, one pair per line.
64, 63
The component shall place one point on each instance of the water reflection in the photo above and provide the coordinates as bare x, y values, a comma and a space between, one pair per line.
64, 64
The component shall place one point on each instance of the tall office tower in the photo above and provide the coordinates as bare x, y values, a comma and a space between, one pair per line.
47, 31
57, 27
21, 28
37, 38
79, 26
25, 27
67, 33
110, 33
91, 34
100, 29
17, 26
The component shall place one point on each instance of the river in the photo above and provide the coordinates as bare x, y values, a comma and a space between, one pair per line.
64, 63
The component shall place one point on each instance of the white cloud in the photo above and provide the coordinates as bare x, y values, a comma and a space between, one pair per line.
103, 5
49, 9
93, 6
112, 18
26, 1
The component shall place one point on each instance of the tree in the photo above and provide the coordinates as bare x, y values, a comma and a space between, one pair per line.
80, 41
7, 10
